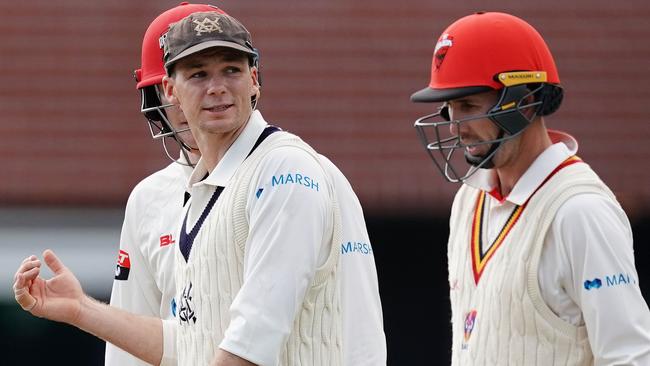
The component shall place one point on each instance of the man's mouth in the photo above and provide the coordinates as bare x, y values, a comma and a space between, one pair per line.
218, 108
474, 150
473, 145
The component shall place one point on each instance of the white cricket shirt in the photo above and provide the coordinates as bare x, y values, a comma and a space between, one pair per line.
290, 251
144, 282
586, 271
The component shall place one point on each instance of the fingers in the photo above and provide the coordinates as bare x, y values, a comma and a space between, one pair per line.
21, 290
28, 264
30, 258
53, 261
28, 271
29, 276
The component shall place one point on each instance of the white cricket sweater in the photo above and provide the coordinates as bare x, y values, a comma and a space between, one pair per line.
498, 314
215, 271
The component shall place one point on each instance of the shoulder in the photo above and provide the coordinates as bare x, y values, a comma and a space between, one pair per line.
591, 221
287, 169
173, 174
331, 168
342, 186
167, 182
291, 165
287, 152
465, 196
590, 208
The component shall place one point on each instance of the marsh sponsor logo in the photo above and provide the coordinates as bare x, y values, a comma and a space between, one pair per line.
593, 284
619, 279
295, 178
352, 247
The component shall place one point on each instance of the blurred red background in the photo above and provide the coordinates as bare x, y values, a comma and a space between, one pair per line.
338, 73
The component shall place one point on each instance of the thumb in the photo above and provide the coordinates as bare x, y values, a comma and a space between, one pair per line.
53, 261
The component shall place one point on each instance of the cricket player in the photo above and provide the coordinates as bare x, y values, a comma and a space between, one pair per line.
144, 279
541, 264
273, 264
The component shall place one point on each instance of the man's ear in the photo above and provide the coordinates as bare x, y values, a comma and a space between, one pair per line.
168, 89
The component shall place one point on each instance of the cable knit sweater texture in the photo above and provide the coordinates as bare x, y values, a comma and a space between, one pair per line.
512, 325
215, 269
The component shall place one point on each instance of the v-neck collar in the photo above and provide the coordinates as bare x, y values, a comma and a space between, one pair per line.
480, 259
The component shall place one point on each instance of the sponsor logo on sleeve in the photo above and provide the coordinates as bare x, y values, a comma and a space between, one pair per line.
353, 247
618, 279
295, 178
123, 266
593, 284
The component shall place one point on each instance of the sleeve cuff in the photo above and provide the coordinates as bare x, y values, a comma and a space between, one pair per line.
169, 357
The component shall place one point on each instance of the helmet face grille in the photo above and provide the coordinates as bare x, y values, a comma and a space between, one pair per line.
154, 111
514, 111
479, 52
160, 126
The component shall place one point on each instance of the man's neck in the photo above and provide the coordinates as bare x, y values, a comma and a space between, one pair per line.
532, 143
194, 155
213, 147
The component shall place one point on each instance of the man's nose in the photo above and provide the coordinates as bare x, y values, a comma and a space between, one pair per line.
453, 128
216, 85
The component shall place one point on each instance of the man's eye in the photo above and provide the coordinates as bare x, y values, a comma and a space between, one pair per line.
198, 74
468, 107
232, 70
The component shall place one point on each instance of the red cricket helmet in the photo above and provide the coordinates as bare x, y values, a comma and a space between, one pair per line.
479, 53
474, 50
152, 69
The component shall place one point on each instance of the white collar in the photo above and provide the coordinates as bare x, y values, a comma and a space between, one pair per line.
234, 156
564, 146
